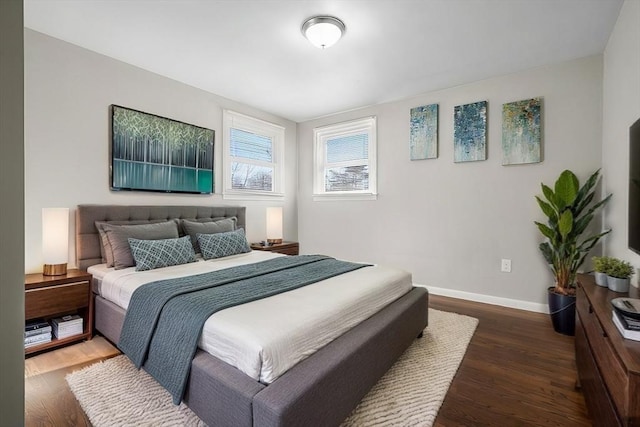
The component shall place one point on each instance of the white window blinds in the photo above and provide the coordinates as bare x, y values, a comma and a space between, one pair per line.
253, 157
347, 163
345, 160
248, 153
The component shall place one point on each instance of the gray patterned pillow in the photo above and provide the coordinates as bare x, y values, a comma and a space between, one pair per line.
118, 235
223, 244
193, 228
150, 254
106, 251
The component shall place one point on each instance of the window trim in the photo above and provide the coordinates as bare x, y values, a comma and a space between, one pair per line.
232, 119
321, 135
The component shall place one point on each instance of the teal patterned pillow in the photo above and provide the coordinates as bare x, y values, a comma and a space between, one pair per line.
223, 244
150, 254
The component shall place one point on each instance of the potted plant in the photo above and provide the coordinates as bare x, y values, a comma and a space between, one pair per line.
569, 209
618, 275
601, 265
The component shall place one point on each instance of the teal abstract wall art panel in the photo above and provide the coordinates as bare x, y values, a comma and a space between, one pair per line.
470, 132
522, 132
153, 153
423, 140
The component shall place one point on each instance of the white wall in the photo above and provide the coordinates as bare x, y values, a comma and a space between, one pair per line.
12, 214
68, 91
621, 108
450, 224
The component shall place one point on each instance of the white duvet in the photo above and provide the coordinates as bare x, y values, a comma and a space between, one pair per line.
265, 338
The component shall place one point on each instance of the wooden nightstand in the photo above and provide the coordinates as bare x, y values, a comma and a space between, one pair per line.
287, 248
54, 296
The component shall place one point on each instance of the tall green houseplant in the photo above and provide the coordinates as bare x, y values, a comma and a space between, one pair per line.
569, 209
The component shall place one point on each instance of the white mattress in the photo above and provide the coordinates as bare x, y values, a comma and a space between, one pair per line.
267, 337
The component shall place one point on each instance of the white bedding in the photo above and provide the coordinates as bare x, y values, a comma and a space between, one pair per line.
265, 338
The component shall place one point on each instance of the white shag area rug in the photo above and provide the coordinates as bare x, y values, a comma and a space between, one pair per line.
115, 393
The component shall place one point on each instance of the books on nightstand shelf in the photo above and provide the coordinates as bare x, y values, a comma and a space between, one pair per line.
36, 332
628, 327
67, 326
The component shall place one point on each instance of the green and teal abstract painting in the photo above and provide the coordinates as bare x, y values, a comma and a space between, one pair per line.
153, 153
423, 139
470, 132
521, 132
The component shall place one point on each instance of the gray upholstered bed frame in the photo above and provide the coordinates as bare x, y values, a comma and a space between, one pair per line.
319, 391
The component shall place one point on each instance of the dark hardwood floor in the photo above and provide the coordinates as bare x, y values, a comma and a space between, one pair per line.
48, 400
516, 372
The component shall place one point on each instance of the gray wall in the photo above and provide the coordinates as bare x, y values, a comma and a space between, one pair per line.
68, 91
11, 214
451, 224
621, 108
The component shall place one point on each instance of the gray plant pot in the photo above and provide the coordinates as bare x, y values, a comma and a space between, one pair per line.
601, 279
618, 285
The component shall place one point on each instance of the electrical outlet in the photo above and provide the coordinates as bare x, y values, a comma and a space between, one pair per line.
506, 266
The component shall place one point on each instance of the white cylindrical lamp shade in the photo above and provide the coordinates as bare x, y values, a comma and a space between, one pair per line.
55, 240
274, 225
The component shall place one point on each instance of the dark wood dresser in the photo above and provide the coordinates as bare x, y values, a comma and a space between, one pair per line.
608, 365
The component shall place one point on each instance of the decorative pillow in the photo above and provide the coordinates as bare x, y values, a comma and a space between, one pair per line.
223, 244
150, 254
105, 247
118, 236
182, 231
193, 228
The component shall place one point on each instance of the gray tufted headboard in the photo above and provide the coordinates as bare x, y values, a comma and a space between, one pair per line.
88, 240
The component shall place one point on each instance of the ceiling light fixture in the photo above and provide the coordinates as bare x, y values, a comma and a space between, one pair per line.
323, 31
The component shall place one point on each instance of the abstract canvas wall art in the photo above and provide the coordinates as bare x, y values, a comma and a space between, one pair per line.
154, 153
521, 132
470, 132
423, 139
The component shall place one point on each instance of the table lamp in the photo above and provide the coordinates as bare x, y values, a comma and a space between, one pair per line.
55, 241
274, 225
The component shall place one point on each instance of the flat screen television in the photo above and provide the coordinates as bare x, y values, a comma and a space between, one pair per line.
153, 153
634, 187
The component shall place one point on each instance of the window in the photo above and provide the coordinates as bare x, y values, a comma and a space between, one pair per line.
253, 158
345, 160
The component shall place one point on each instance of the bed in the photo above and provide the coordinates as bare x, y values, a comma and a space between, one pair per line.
321, 390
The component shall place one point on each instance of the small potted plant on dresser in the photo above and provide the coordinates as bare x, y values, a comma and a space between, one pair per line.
619, 275
569, 209
601, 266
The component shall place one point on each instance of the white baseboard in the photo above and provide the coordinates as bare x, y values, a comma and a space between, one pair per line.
487, 299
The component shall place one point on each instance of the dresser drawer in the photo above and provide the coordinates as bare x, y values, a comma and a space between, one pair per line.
52, 300
601, 408
609, 364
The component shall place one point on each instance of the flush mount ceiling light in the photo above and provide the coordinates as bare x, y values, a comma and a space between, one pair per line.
323, 31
